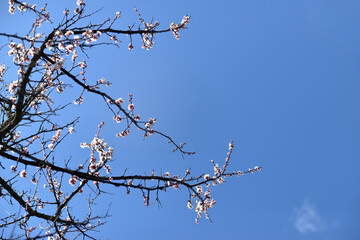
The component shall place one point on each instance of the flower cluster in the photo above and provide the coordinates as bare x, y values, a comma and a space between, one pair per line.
13, 86
54, 139
19, 52
73, 180
2, 71
119, 101
150, 124
147, 37
11, 7
105, 154
123, 134
204, 200
102, 81
21, 7
176, 27
91, 36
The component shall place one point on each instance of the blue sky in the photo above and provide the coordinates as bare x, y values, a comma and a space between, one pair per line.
280, 78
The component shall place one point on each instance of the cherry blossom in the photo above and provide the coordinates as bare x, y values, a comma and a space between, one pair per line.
80, 3
23, 174
13, 168
130, 47
131, 107
117, 118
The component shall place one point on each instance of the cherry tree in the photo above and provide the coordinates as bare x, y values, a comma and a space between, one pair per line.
48, 64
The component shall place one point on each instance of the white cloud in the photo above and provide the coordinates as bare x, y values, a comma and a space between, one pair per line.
307, 219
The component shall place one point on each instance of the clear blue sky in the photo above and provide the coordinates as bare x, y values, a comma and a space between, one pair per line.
280, 78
